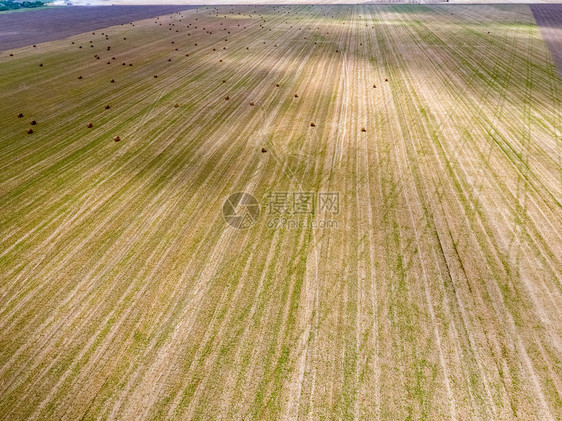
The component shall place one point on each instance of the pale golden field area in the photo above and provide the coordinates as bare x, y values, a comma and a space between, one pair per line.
428, 287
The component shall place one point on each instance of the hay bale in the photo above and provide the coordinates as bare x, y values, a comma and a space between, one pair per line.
227, 98
40, 64
374, 86
363, 129
112, 80
176, 105
90, 125
252, 104
386, 80
29, 131
80, 77
263, 150
277, 85
312, 124
296, 96
116, 138
33, 122
20, 115
155, 76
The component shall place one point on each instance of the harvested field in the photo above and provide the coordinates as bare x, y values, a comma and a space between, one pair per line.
49, 24
434, 291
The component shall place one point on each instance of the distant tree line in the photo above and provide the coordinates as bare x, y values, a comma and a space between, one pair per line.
12, 5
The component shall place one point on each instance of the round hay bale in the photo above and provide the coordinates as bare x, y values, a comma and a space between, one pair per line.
107, 107
374, 86
263, 150
227, 98
312, 124
155, 76
29, 131
252, 104
40, 64
296, 96
176, 105
20, 115
90, 125
33, 122
363, 129
386, 80
112, 80
79, 77
116, 138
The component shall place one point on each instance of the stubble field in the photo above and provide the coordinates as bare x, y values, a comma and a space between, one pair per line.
435, 292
